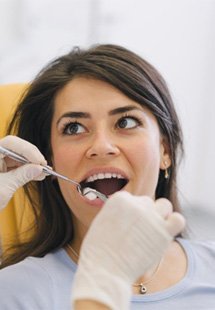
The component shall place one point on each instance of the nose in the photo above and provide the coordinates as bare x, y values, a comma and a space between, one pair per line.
102, 146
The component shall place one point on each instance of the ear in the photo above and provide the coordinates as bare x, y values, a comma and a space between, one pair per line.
165, 159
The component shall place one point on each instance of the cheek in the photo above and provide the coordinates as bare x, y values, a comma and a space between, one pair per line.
145, 152
145, 161
65, 160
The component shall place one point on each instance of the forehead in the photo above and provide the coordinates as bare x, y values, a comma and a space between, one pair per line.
86, 93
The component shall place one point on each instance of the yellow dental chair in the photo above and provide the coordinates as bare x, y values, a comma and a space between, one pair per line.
15, 218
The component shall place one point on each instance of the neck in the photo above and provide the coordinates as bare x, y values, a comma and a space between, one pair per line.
171, 271
79, 232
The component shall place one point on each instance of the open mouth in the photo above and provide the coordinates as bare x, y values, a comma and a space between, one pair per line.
106, 184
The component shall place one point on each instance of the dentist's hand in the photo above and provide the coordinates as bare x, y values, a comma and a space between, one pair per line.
128, 237
12, 174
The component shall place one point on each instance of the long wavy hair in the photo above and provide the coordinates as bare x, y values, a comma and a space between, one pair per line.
126, 71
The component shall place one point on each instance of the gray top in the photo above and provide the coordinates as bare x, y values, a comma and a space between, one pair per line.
45, 283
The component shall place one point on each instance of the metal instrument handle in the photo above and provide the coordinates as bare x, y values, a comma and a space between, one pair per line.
47, 169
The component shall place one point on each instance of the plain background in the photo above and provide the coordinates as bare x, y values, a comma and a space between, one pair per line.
176, 36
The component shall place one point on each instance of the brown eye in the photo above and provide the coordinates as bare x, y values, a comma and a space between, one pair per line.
73, 128
127, 122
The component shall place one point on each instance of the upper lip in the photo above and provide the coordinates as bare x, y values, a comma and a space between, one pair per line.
111, 170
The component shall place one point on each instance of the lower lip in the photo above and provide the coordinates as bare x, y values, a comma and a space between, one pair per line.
98, 202
94, 203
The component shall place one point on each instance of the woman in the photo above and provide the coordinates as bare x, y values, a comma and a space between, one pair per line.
103, 117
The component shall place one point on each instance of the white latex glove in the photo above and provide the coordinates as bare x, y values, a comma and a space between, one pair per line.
128, 237
12, 175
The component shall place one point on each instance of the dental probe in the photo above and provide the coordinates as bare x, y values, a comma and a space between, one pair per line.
47, 169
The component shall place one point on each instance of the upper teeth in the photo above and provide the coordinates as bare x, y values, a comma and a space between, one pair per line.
106, 175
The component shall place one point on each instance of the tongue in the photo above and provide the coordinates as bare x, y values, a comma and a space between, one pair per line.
108, 186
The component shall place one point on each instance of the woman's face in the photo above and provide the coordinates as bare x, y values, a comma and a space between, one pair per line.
107, 141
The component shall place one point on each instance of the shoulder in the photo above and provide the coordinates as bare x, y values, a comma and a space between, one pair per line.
204, 247
34, 281
202, 252
57, 261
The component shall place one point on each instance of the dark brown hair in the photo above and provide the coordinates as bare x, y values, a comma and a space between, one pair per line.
119, 67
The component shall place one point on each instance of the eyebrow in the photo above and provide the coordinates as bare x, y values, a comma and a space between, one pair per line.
124, 109
88, 115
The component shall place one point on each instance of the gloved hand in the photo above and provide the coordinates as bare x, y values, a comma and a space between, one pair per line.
128, 237
12, 174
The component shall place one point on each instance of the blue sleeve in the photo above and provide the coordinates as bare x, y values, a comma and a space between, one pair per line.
24, 287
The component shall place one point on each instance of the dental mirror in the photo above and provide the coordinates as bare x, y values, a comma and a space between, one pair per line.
90, 193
